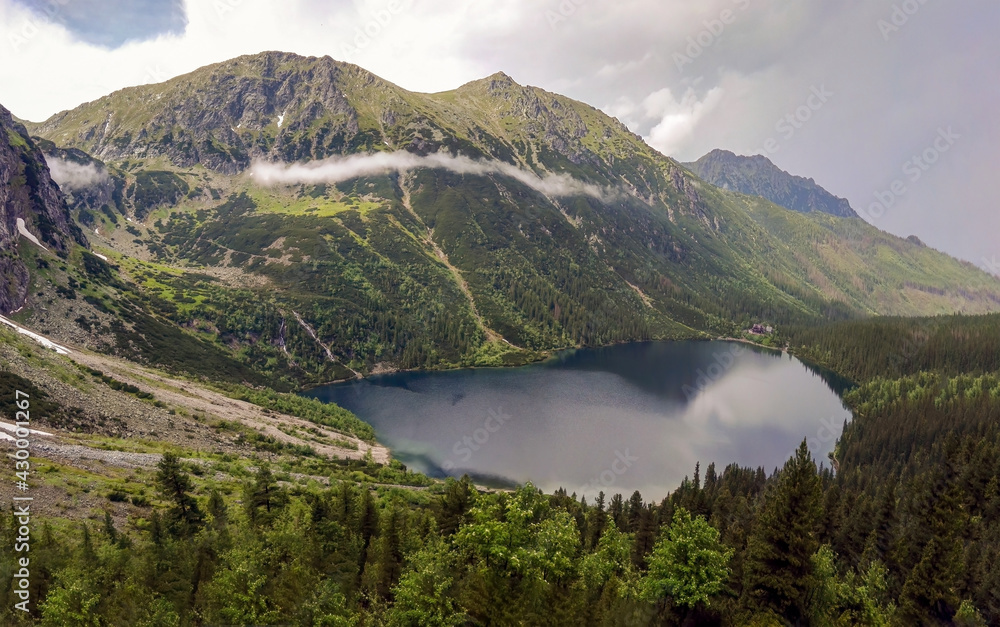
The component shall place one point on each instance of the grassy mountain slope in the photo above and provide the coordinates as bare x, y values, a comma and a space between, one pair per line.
433, 268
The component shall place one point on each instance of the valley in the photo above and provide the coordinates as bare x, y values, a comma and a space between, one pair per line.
201, 259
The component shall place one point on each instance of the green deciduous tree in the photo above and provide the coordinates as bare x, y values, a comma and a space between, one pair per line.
425, 594
71, 602
688, 565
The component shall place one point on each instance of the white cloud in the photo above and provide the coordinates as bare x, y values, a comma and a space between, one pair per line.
69, 175
672, 122
337, 169
679, 119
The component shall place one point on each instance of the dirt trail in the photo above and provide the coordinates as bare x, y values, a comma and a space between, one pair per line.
195, 399
456, 274
199, 400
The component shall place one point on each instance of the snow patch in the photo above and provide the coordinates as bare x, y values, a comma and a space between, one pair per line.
281, 118
99, 255
44, 341
23, 230
13, 429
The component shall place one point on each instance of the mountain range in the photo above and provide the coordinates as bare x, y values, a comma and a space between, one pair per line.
758, 176
301, 219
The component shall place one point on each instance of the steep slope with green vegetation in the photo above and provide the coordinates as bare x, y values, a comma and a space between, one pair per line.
184, 490
757, 176
428, 267
243, 530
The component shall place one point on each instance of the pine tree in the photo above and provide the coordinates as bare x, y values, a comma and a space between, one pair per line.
386, 562
616, 510
109, 528
645, 536
930, 593
217, 508
263, 498
778, 570
929, 596
455, 503
634, 509
185, 516
597, 521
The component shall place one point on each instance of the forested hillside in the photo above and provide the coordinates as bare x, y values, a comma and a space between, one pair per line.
895, 347
260, 205
187, 485
904, 532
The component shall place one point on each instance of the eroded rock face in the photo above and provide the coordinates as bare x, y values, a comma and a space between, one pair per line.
27, 192
757, 176
276, 106
272, 106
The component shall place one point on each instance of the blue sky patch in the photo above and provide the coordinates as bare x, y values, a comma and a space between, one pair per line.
111, 23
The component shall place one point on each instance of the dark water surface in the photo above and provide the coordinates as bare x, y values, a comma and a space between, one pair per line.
618, 419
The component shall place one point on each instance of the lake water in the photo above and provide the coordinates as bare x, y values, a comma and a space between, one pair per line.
618, 419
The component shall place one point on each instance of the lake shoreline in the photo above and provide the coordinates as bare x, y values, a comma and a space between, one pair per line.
633, 416
382, 368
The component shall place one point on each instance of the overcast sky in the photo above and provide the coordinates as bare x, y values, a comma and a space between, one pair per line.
847, 92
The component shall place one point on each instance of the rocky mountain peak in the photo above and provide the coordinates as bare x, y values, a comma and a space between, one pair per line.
758, 176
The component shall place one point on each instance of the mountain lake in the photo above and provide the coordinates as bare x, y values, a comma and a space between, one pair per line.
621, 418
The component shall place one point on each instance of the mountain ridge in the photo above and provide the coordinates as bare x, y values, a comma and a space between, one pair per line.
439, 267
758, 176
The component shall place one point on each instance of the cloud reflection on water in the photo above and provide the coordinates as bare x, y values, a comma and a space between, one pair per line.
572, 417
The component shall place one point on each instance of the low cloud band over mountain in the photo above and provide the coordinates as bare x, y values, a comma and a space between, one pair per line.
339, 169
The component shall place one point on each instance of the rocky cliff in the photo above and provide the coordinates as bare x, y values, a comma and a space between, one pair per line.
757, 176
27, 193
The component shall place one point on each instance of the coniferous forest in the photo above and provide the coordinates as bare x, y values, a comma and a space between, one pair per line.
900, 527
